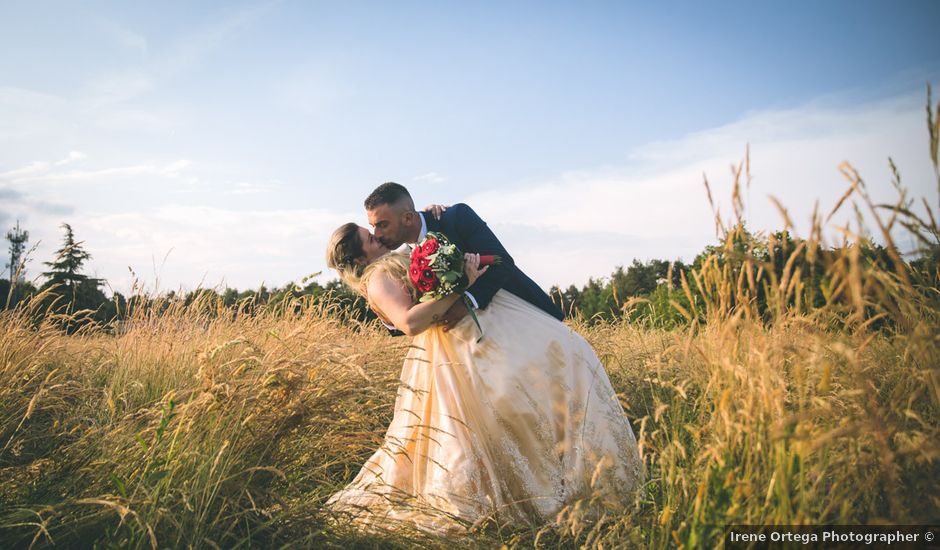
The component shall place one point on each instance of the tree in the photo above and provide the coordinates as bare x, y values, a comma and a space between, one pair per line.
79, 290
68, 262
569, 301
10, 296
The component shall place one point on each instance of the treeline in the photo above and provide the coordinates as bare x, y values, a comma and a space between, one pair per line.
782, 273
86, 303
77, 300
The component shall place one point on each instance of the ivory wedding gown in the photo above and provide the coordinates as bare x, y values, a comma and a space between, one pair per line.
512, 428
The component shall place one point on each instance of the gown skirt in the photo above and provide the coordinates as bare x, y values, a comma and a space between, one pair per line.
512, 428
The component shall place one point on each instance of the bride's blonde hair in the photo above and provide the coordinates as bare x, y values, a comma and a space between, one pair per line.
396, 265
345, 247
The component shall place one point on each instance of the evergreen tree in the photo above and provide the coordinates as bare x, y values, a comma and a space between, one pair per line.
65, 269
79, 290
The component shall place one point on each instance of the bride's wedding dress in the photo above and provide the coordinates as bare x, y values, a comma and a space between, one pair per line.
512, 428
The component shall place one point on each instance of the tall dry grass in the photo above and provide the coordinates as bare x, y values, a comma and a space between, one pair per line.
193, 427
202, 428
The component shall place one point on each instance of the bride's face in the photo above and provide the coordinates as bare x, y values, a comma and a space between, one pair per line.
372, 248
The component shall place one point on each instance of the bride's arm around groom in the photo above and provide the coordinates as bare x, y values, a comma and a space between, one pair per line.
387, 294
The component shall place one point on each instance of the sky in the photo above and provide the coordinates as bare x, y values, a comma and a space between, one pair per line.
219, 143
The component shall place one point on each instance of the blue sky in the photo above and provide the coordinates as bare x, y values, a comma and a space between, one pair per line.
221, 142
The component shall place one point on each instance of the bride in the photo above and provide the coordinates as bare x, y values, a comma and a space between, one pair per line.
512, 428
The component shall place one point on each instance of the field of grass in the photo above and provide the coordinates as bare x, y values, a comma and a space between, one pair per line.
197, 429
202, 428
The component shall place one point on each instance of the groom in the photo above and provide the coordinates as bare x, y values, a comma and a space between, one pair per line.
392, 214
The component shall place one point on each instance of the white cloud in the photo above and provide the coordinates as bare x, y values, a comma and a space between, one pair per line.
29, 170
253, 188
179, 246
176, 167
430, 177
153, 121
656, 205
46, 173
37, 168
211, 244
73, 156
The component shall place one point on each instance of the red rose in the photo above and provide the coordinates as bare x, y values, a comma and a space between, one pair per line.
418, 249
415, 274
419, 258
430, 246
427, 281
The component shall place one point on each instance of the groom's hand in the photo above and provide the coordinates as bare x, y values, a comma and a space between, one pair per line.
453, 315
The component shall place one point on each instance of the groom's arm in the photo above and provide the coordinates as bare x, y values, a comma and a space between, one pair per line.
478, 238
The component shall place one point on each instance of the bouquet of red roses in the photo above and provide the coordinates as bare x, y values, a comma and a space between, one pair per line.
437, 269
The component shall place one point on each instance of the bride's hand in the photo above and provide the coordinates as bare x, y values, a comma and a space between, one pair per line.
471, 265
436, 210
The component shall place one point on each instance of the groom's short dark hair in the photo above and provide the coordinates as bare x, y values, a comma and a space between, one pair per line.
387, 193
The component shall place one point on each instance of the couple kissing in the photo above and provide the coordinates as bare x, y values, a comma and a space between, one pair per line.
510, 428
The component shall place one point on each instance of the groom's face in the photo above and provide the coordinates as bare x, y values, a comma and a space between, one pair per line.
390, 224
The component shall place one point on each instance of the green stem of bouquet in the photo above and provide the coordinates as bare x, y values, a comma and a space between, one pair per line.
469, 304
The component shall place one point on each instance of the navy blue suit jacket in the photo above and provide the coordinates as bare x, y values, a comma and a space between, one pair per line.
470, 233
